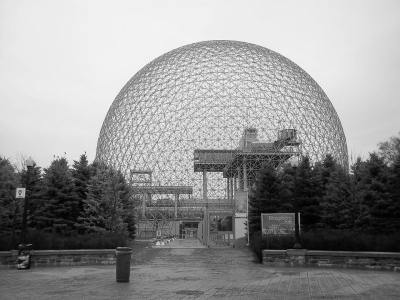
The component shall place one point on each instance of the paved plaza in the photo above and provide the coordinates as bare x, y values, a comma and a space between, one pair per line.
181, 272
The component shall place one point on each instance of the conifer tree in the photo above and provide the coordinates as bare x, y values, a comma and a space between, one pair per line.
92, 216
34, 184
332, 190
114, 195
374, 194
356, 192
265, 197
394, 189
287, 177
108, 206
303, 196
11, 208
81, 173
336, 205
60, 207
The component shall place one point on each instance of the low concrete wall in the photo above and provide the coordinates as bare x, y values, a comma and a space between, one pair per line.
61, 257
338, 259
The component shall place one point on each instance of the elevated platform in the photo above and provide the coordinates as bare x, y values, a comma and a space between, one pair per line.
185, 204
256, 161
162, 189
251, 152
212, 160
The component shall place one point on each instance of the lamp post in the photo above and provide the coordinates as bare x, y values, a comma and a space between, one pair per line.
29, 166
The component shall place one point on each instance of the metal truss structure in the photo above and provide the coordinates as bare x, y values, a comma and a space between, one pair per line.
243, 163
203, 96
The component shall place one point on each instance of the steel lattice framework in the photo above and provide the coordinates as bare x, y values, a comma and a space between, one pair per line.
202, 96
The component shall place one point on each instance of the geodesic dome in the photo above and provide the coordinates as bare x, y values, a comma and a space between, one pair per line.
202, 96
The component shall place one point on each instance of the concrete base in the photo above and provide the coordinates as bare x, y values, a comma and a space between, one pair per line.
46, 258
341, 259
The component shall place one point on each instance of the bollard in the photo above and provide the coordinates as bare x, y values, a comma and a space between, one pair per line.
123, 264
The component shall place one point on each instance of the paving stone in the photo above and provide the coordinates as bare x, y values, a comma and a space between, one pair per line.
176, 272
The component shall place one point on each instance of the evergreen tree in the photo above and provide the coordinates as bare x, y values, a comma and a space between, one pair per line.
374, 195
34, 184
265, 198
390, 152
303, 196
11, 208
81, 173
394, 189
384, 174
287, 178
128, 207
357, 187
92, 216
333, 192
108, 206
59, 207
322, 173
336, 205
114, 196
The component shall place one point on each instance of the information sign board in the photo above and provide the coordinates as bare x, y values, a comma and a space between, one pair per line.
278, 224
20, 193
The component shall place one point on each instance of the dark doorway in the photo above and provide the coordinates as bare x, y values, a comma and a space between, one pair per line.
188, 230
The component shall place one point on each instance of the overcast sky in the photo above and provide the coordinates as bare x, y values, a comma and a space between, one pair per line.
63, 62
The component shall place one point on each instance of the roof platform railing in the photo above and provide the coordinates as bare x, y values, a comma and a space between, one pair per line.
159, 190
212, 160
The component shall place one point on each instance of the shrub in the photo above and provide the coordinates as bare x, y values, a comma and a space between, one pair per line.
346, 240
330, 239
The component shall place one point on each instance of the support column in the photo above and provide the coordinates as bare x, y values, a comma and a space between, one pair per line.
235, 187
144, 197
245, 183
176, 206
245, 188
228, 189
239, 178
208, 228
205, 185
205, 226
232, 180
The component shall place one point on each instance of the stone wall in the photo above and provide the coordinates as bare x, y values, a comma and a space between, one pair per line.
61, 257
337, 259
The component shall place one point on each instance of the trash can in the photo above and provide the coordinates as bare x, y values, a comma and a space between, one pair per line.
24, 256
123, 265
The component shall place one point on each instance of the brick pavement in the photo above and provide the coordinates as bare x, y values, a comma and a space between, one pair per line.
195, 273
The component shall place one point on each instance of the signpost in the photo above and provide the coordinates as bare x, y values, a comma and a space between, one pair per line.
278, 224
20, 193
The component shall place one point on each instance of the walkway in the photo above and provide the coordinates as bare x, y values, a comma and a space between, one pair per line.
194, 273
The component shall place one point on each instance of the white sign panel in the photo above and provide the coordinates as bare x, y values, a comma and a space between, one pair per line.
278, 224
20, 193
